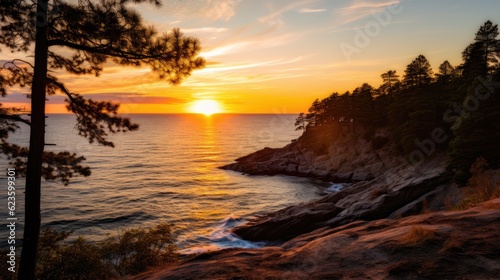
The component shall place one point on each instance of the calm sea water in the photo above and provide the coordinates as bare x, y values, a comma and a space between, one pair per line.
167, 172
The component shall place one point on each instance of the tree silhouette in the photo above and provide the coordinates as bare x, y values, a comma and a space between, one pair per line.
487, 37
418, 72
390, 78
446, 71
91, 33
363, 111
301, 122
474, 64
482, 56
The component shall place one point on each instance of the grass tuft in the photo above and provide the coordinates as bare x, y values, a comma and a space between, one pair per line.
418, 235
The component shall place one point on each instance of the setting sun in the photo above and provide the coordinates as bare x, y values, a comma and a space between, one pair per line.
206, 107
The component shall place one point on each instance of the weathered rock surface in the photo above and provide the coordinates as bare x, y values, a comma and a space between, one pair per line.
368, 200
441, 245
316, 155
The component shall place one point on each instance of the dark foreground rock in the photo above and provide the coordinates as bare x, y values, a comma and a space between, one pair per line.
441, 245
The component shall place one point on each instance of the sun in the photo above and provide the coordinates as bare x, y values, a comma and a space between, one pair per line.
206, 107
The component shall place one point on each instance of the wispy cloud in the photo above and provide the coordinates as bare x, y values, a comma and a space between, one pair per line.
309, 10
224, 50
119, 97
360, 9
240, 66
204, 30
275, 17
211, 9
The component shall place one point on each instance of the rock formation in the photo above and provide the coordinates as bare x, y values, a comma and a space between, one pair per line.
441, 245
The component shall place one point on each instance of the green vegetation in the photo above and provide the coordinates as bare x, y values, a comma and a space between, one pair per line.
457, 110
131, 252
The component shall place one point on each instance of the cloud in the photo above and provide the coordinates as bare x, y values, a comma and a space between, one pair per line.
212, 78
359, 9
204, 30
211, 9
134, 98
225, 9
309, 10
248, 65
117, 97
224, 50
275, 17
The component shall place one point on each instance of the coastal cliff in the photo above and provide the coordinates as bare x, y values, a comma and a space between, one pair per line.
325, 153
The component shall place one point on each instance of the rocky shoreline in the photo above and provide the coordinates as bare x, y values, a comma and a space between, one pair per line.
315, 155
382, 186
362, 231
441, 245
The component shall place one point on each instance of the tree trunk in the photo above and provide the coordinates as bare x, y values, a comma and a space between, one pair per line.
36, 147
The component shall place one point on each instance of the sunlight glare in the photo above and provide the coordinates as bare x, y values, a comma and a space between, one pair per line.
206, 107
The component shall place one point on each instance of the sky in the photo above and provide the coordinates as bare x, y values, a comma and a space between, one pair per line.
278, 56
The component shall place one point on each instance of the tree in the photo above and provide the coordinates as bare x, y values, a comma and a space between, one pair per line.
418, 72
317, 112
363, 110
487, 37
390, 78
93, 32
481, 57
446, 71
474, 66
301, 122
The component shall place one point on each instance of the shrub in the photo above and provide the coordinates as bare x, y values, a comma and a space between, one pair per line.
481, 187
131, 252
135, 250
77, 259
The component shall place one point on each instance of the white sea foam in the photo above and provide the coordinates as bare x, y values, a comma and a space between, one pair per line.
336, 187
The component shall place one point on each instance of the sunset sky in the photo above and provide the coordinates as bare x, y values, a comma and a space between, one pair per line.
277, 56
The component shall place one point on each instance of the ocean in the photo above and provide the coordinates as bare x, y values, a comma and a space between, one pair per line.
166, 172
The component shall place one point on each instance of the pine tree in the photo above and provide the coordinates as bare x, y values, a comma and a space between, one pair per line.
418, 73
446, 71
487, 37
390, 78
92, 33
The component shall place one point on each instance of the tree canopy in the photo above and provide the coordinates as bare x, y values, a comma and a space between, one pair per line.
418, 73
462, 104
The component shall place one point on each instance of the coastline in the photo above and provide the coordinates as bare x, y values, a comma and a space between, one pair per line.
427, 246
392, 222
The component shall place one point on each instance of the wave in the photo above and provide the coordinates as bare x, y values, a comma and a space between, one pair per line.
78, 223
222, 238
336, 187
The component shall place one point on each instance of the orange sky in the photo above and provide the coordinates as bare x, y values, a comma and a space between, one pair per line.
277, 56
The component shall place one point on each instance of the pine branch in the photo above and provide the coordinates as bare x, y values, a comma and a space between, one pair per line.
56, 166
94, 118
